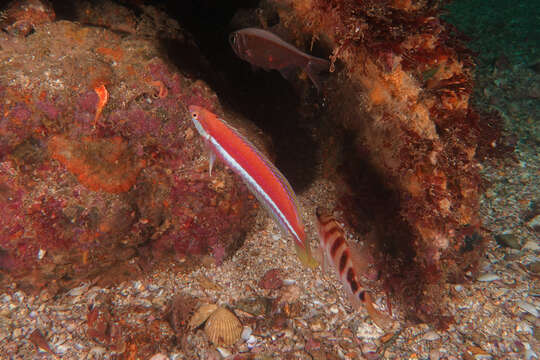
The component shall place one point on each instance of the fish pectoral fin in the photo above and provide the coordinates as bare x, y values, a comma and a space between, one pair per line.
313, 69
384, 321
318, 255
288, 72
211, 159
354, 301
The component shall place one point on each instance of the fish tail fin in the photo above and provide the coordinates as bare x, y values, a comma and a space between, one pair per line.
383, 321
305, 256
313, 69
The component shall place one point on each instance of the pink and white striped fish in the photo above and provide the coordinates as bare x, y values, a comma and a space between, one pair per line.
337, 252
263, 179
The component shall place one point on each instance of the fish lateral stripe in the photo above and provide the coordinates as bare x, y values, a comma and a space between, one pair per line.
351, 279
260, 193
362, 295
338, 242
261, 176
354, 286
331, 229
259, 168
343, 261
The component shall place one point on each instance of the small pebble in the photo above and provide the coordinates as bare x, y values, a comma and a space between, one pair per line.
431, 335
508, 240
224, 352
524, 327
529, 353
251, 342
531, 309
16, 333
317, 325
159, 356
534, 223
246, 333
78, 290
488, 277
62, 349
532, 245
41, 254
534, 267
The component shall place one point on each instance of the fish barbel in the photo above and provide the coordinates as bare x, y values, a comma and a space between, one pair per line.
266, 50
262, 178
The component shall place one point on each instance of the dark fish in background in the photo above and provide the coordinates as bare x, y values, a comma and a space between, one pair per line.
268, 51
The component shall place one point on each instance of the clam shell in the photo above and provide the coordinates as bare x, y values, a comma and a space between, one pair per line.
223, 327
201, 315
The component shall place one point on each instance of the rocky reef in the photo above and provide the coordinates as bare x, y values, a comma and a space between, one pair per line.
101, 173
399, 92
91, 179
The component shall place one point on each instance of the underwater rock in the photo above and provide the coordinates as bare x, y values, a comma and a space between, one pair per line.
20, 17
400, 87
80, 198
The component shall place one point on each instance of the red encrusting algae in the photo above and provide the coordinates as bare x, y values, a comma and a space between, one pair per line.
99, 164
103, 96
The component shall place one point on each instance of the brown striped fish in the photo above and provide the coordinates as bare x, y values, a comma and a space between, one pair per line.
266, 50
337, 252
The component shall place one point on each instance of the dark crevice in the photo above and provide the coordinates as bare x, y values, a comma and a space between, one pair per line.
263, 97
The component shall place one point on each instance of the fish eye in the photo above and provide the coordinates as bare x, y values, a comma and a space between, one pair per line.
194, 115
232, 38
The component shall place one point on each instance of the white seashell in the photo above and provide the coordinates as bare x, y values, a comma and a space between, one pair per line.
531, 309
246, 333
251, 342
488, 277
223, 327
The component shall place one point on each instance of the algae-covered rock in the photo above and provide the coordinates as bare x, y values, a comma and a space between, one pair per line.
399, 87
99, 163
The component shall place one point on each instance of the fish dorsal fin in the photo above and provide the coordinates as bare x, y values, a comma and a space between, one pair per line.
358, 257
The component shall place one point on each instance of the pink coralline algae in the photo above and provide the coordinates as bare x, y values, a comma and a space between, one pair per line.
130, 191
